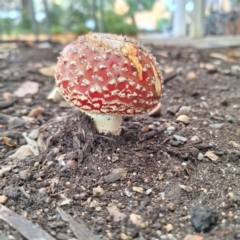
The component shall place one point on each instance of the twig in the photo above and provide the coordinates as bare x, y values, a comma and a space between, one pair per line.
152, 133
63, 191
169, 77
24, 192
79, 228
24, 226
108, 138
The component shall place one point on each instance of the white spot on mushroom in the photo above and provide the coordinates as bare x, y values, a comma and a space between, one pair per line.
125, 62
122, 95
96, 88
138, 87
80, 74
132, 83
104, 88
115, 67
86, 107
88, 67
121, 79
109, 74
83, 61
134, 94
102, 66
112, 82
85, 82
97, 58
115, 92
130, 111
135, 73
96, 105
124, 69
73, 63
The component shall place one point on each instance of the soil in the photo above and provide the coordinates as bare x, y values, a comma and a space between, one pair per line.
157, 184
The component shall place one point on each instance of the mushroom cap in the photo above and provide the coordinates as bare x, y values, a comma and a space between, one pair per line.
109, 74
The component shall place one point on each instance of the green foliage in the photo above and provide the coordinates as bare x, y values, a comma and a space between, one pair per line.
80, 29
139, 5
163, 24
115, 23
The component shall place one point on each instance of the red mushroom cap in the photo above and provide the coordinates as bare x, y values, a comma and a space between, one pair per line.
109, 74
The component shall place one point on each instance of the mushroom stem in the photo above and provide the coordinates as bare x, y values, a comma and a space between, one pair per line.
107, 123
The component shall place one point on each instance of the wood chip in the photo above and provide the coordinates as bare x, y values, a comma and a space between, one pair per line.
79, 228
211, 156
24, 226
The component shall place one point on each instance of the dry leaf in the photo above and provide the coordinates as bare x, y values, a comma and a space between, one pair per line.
48, 71
22, 152
223, 57
65, 200
116, 174
55, 95
115, 213
32, 144
7, 141
27, 87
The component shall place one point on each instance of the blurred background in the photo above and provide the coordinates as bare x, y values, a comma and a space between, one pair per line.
63, 20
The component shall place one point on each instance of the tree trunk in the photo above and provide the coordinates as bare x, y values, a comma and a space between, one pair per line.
101, 26
94, 9
34, 21
48, 25
133, 20
25, 8
179, 19
197, 26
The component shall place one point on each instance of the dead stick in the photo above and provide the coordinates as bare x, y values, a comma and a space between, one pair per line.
25, 227
152, 133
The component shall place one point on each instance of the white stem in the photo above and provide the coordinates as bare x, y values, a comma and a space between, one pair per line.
107, 123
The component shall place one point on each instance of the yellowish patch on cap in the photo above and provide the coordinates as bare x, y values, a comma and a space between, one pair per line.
158, 82
131, 52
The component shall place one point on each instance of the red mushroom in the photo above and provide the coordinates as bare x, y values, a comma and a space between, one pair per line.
109, 76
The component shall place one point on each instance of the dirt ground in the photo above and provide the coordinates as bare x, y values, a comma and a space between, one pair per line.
72, 182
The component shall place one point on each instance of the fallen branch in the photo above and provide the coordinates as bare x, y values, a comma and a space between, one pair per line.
79, 228
152, 133
24, 226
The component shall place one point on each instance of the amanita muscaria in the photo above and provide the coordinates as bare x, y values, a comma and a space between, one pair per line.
109, 76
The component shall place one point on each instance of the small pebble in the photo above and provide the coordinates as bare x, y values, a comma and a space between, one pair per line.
98, 191
169, 227
194, 138
200, 157
184, 110
149, 191
180, 138
210, 68
125, 236
26, 175
37, 112
3, 199
171, 206
183, 118
98, 209
138, 189
194, 237
170, 130
192, 76
36, 164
